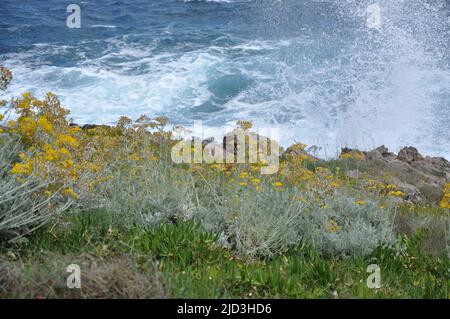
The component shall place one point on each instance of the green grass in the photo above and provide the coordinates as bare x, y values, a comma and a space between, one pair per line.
194, 266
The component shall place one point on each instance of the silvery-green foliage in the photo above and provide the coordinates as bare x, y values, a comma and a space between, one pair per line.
148, 193
255, 223
263, 223
22, 206
361, 227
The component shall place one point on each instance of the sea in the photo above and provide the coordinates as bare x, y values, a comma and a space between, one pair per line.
342, 73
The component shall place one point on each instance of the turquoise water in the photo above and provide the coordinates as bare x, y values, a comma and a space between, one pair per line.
312, 69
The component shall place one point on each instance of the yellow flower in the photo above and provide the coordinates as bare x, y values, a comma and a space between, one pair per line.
243, 184
335, 184
256, 181
278, 184
69, 140
27, 126
50, 153
392, 187
70, 192
355, 155
45, 124
396, 193
22, 169
243, 175
445, 202
2, 116
75, 129
361, 202
68, 164
135, 157
64, 151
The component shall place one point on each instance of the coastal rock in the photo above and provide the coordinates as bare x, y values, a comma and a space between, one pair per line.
421, 178
381, 153
409, 154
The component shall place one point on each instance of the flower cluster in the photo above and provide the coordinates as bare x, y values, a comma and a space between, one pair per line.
51, 144
71, 160
445, 202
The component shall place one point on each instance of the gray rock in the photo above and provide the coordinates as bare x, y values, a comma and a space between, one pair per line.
409, 154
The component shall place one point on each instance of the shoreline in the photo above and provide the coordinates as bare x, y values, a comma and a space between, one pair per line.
285, 148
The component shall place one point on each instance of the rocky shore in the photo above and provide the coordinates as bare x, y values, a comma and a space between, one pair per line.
420, 177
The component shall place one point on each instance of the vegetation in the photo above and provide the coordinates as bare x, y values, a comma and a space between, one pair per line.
111, 200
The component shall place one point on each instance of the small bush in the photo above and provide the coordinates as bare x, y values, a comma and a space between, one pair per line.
346, 226
23, 205
254, 223
148, 193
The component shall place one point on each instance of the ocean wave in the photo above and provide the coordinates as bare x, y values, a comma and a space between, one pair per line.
329, 83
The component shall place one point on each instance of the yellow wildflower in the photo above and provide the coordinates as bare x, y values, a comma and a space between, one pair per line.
45, 124
396, 193
335, 184
28, 126
69, 140
135, 157
445, 202
64, 151
278, 184
50, 153
243, 175
70, 192
392, 187
22, 169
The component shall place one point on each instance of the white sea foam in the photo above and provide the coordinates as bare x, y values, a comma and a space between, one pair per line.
393, 90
